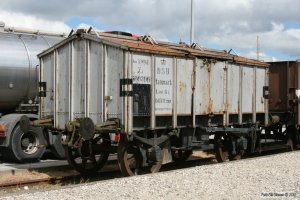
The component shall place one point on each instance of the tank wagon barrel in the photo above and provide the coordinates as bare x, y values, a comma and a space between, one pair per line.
19, 71
151, 102
19, 65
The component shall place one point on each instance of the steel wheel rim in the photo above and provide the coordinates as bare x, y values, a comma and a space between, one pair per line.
82, 159
131, 161
222, 154
29, 143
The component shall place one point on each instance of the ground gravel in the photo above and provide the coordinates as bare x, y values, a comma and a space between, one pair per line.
269, 177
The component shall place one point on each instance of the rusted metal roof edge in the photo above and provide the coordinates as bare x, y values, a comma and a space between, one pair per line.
247, 61
140, 46
169, 50
204, 53
211, 55
157, 52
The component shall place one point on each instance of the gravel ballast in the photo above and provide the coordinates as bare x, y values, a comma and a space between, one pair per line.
269, 177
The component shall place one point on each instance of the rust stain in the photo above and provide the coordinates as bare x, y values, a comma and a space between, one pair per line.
182, 87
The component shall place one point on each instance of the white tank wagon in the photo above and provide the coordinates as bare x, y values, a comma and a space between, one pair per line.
151, 102
19, 69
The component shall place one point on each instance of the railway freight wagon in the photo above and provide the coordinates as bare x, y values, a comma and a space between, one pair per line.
284, 101
150, 102
19, 69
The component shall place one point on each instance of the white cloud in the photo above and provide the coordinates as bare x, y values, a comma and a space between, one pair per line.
277, 39
226, 24
20, 20
83, 26
261, 56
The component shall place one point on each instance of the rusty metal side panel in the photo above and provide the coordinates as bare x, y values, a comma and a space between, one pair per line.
202, 90
163, 85
247, 89
113, 75
85, 82
217, 88
184, 86
85, 79
260, 83
47, 75
210, 87
284, 82
62, 73
77, 81
278, 86
284, 85
233, 88
95, 83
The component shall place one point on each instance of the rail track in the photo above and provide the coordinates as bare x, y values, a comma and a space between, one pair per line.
64, 176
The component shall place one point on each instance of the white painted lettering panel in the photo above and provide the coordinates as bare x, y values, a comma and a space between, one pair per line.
163, 86
141, 69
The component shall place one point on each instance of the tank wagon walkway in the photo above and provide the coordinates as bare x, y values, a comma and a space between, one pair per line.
276, 177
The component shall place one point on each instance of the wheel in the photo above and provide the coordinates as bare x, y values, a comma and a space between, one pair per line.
130, 160
181, 155
57, 148
223, 149
84, 158
25, 147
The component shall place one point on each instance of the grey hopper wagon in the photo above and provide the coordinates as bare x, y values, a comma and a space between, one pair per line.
151, 102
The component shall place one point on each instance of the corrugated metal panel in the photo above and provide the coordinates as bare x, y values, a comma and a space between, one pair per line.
246, 61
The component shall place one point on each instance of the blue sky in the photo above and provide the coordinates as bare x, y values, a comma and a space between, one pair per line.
223, 25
